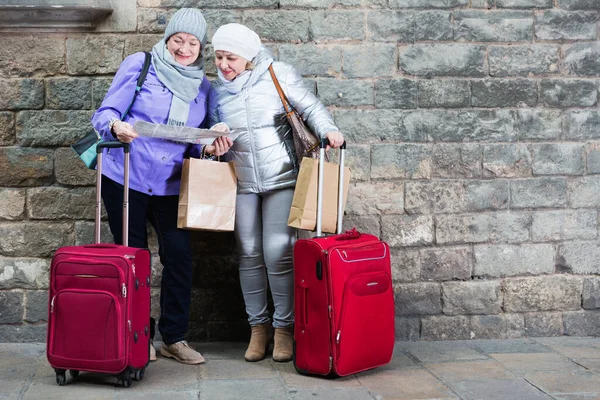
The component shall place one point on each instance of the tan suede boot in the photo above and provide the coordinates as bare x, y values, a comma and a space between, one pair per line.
284, 344
257, 348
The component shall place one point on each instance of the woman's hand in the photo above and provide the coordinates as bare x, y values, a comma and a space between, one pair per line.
336, 139
124, 132
219, 146
220, 127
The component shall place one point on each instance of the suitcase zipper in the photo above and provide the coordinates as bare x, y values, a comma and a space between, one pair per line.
337, 338
52, 304
124, 291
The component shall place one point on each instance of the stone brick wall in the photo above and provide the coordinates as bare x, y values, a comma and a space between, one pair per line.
474, 140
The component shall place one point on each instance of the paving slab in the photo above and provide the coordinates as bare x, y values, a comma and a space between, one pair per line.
434, 352
293, 380
467, 370
339, 393
159, 395
509, 346
240, 369
536, 362
574, 347
247, 389
498, 389
577, 397
565, 382
405, 384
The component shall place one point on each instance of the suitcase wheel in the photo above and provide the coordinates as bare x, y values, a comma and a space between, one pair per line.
127, 382
125, 377
139, 374
61, 377
74, 373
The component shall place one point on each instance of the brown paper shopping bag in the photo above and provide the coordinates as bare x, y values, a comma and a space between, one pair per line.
207, 195
303, 213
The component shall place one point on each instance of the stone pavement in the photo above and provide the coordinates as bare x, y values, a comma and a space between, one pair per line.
563, 368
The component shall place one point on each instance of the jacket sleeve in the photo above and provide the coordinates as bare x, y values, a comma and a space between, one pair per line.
212, 115
119, 95
313, 112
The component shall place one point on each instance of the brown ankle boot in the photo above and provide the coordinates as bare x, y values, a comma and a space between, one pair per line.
257, 348
284, 344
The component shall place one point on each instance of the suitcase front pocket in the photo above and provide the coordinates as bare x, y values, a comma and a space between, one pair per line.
365, 335
85, 325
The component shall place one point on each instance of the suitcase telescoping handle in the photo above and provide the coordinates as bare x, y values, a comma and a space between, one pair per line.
125, 147
324, 143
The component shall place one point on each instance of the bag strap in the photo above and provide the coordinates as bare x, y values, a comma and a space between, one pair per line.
140, 82
286, 103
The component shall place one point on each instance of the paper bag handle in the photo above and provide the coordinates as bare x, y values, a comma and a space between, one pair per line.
324, 143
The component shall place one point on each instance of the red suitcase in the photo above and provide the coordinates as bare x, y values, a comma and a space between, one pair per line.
99, 302
344, 299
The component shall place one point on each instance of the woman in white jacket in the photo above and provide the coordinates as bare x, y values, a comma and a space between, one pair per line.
266, 166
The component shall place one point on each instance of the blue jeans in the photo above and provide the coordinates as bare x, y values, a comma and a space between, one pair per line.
265, 243
174, 251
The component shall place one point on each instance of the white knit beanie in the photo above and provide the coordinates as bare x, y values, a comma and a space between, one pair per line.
237, 39
187, 20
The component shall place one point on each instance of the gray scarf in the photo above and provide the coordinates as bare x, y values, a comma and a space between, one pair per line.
249, 77
183, 81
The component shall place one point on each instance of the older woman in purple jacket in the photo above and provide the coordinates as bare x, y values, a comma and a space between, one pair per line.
175, 92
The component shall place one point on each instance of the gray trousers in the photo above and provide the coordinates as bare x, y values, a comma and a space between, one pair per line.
265, 245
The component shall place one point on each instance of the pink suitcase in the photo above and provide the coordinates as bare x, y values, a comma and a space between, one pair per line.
99, 302
344, 298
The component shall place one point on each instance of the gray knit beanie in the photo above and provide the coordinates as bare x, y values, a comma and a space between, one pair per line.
187, 20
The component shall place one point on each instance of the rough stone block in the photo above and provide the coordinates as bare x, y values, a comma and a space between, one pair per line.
433, 25
70, 170
407, 161
36, 306
405, 265
428, 3
319, 60
477, 297
7, 128
447, 93
99, 89
93, 54
433, 197
524, 3
19, 94
583, 124
408, 328
486, 195
375, 126
153, 20
579, 257
456, 160
487, 4
579, 4
582, 323
369, 224
582, 59
539, 192
418, 299
497, 326
61, 203
375, 198
506, 260
479, 228
429, 60
445, 264
592, 153
26, 167
584, 191
137, 43
24, 273
405, 230
368, 61
11, 307
45, 55
524, 60
445, 328
543, 324
548, 293
12, 204
504, 93
568, 92
391, 26
565, 25
558, 159
395, 93
564, 225
52, 127
337, 25
358, 159
23, 333
591, 293
493, 26
537, 124
84, 234
506, 161
345, 92
69, 93
280, 25
34, 239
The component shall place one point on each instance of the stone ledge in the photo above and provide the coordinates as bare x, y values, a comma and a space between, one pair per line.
53, 14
